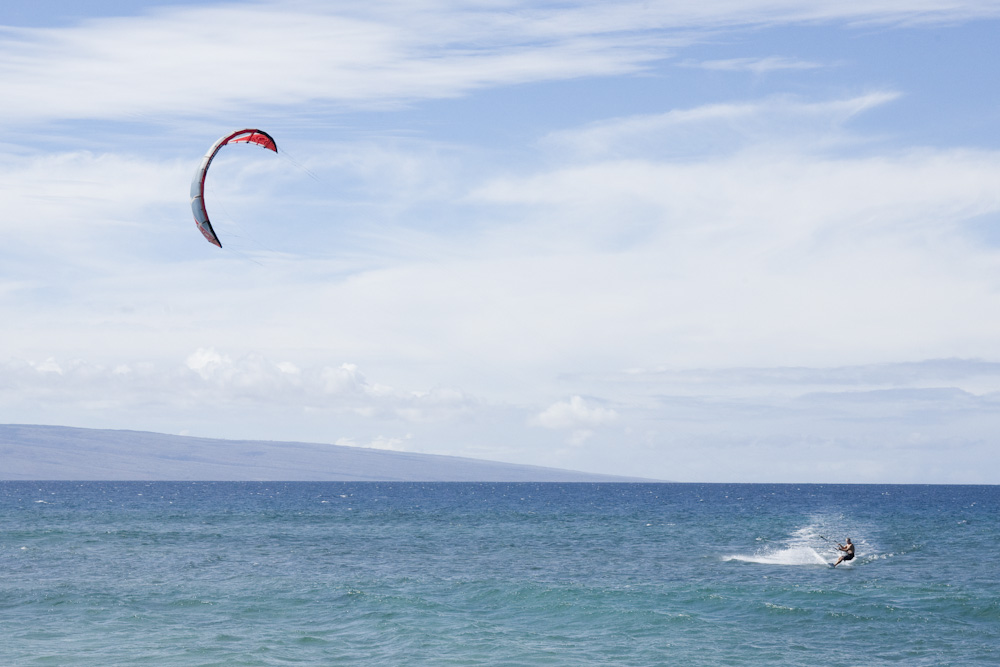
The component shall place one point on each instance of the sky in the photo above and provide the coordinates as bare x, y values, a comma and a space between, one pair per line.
725, 241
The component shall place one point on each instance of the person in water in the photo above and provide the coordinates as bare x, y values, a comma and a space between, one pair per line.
848, 550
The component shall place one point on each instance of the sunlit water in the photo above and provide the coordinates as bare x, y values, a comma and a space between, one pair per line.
496, 574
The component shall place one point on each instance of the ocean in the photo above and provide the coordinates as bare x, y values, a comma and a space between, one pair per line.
236, 573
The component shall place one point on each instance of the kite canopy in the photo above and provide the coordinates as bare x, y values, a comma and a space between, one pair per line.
248, 136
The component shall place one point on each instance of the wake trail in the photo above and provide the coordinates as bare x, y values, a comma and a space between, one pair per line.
787, 556
807, 545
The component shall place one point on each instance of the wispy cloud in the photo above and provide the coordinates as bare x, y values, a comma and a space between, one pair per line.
55, 198
193, 62
969, 376
730, 126
756, 66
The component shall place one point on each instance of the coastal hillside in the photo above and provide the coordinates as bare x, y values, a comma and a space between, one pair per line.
63, 453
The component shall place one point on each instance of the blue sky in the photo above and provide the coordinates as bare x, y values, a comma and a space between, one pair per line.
732, 241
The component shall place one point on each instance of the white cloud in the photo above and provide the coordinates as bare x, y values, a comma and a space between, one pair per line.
76, 197
343, 380
198, 61
48, 366
209, 377
392, 444
757, 66
576, 416
761, 256
973, 376
574, 413
893, 421
727, 127
289, 368
206, 362
605, 262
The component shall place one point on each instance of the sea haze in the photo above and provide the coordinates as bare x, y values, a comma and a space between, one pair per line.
30, 452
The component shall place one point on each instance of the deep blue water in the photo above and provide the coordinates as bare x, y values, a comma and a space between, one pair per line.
327, 573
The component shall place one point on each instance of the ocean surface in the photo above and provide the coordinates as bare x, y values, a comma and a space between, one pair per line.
163, 573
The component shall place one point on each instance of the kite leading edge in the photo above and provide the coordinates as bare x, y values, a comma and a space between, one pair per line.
247, 136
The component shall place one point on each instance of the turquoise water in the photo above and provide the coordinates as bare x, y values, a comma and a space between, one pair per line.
496, 574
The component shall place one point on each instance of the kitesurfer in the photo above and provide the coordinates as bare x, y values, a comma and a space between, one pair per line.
848, 550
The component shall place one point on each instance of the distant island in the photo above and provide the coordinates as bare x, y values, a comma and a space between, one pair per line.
30, 452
